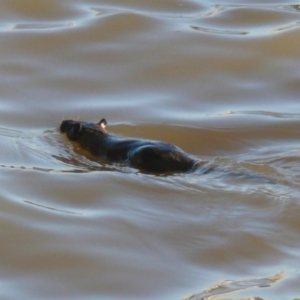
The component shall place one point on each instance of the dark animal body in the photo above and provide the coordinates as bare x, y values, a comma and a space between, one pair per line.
145, 155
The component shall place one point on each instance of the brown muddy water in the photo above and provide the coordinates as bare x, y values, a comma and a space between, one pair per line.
220, 80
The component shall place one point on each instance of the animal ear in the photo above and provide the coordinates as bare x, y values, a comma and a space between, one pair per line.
102, 123
74, 132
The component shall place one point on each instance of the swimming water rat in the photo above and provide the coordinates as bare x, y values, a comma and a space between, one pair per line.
146, 155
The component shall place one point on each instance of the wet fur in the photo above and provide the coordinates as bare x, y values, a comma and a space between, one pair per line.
146, 155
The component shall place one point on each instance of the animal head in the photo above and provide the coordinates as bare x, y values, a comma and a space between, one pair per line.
75, 129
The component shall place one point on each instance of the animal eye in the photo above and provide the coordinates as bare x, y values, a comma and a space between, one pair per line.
74, 133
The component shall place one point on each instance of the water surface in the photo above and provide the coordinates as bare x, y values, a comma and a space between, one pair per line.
221, 81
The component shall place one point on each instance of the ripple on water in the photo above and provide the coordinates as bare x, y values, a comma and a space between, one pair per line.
230, 286
252, 21
215, 19
29, 26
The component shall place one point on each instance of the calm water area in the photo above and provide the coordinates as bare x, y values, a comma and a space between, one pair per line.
221, 80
